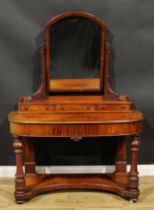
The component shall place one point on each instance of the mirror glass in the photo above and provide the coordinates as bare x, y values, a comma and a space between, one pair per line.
75, 50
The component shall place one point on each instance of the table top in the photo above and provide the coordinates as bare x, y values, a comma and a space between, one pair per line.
75, 118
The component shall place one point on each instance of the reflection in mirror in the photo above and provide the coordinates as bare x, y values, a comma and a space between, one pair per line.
75, 44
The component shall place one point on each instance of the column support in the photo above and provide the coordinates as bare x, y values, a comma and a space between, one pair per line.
20, 179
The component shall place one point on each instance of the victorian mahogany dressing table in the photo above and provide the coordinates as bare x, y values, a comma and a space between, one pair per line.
75, 62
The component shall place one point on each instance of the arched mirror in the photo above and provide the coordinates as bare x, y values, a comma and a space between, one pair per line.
75, 45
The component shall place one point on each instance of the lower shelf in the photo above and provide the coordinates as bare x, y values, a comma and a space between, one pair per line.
38, 184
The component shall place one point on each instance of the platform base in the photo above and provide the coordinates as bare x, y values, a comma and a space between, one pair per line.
39, 184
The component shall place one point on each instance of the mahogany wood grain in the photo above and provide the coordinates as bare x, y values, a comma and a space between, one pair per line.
107, 117
121, 161
42, 90
75, 117
133, 176
29, 157
61, 85
45, 183
78, 99
20, 178
77, 130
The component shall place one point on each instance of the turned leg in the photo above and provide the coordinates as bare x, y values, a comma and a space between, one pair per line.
120, 174
133, 176
29, 157
19, 181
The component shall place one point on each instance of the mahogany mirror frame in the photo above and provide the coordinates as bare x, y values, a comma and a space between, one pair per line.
77, 85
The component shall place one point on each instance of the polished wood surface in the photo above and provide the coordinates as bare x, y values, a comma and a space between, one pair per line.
75, 116
78, 200
44, 183
61, 85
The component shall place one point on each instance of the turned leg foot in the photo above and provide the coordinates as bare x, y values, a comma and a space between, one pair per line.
20, 180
